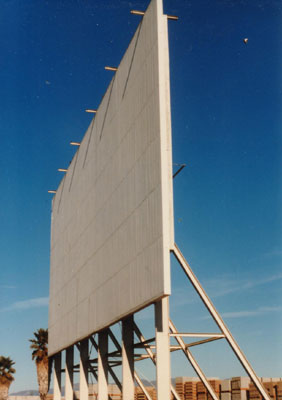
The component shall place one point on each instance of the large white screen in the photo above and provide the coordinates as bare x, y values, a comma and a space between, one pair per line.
112, 220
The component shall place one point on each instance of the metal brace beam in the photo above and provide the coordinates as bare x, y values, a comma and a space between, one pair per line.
212, 339
114, 340
142, 344
213, 335
140, 383
113, 375
179, 170
219, 321
136, 376
152, 356
193, 362
93, 372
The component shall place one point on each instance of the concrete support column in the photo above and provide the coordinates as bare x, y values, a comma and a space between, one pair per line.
83, 369
162, 349
103, 365
127, 359
69, 393
57, 376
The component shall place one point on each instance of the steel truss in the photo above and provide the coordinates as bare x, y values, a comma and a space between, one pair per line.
226, 334
157, 349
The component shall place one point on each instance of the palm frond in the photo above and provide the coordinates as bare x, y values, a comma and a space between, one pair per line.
6, 369
39, 345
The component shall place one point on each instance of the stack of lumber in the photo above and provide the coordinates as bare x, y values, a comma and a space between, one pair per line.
240, 388
179, 386
226, 389
139, 395
190, 389
278, 390
202, 393
270, 387
186, 387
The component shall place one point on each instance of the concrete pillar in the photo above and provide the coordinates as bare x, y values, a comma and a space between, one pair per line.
57, 376
127, 359
69, 393
162, 349
83, 369
103, 365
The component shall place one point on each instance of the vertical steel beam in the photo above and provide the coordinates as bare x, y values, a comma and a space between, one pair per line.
103, 365
83, 370
217, 318
115, 378
128, 388
57, 376
69, 392
151, 355
162, 349
50, 368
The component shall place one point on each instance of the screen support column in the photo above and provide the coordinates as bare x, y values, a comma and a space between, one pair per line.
162, 349
57, 376
127, 359
83, 369
103, 365
69, 393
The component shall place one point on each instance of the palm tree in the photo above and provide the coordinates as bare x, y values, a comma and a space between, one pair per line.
40, 355
6, 376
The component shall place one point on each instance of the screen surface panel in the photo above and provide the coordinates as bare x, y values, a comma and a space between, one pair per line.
112, 215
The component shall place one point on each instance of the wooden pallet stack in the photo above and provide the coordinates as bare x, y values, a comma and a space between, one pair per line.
202, 393
240, 388
114, 392
270, 386
139, 395
185, 386
179, 386
278, 389
225, 389
190, 389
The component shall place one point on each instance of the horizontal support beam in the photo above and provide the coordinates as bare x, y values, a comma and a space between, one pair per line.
111, 68
62, 170
115, 364
204, 341
193, 362
176, 347
93, 361
142, 343
173, 17
137, 12
217, 335
52, 191
144, 357
172, 347
94, 372
74, 143
91, 111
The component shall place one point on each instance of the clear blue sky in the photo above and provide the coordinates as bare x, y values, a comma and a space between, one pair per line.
226, 125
